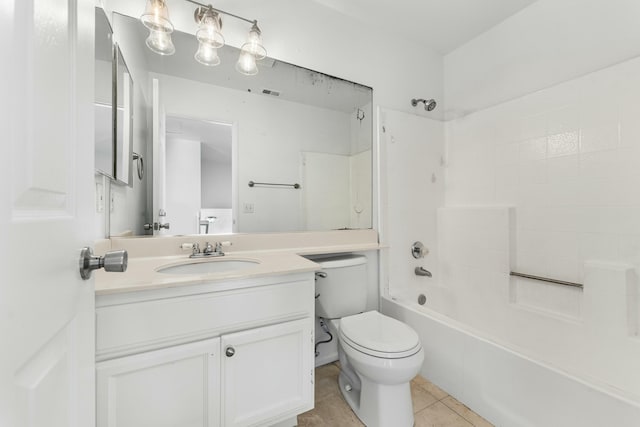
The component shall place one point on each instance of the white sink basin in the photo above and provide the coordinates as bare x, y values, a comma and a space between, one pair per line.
209, 266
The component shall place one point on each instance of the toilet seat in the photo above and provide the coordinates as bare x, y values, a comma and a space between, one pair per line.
378, 335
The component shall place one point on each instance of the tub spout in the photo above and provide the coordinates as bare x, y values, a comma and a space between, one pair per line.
420, 271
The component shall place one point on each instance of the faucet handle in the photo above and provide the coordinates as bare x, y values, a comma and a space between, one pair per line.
193, 247
219, 245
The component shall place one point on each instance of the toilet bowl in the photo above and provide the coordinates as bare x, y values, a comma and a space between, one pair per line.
379, 356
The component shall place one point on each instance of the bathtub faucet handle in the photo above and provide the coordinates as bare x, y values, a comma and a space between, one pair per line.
420, 271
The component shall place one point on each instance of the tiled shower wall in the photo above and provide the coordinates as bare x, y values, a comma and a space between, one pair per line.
568, 159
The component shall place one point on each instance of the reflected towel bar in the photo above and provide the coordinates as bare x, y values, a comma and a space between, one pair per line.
253, 183
546, 279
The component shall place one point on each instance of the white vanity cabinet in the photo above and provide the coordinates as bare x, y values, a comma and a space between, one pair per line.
237, 353
176, 386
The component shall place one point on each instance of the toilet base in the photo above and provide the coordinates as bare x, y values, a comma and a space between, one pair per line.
378, 405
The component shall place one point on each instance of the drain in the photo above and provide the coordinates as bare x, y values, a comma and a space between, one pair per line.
422, 299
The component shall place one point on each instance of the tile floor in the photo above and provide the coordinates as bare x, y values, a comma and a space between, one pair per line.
432, 406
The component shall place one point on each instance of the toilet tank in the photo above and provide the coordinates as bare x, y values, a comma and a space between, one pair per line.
343, 291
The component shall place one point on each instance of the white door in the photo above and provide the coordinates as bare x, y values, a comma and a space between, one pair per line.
267, 374
46, 212
175, 386
159, 158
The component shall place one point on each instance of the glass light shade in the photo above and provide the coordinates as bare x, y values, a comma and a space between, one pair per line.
207, 55
209, 29
247, 63
160, 42
254, 43
156, 16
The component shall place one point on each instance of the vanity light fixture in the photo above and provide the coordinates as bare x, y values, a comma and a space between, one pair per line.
209, 35
156, 19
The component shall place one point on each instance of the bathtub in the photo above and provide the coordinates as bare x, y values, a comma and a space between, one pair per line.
506, 386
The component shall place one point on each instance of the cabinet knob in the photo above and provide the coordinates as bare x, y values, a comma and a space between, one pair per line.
230, 351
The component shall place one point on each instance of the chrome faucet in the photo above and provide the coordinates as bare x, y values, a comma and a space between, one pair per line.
208, 248
219, 248
208, 251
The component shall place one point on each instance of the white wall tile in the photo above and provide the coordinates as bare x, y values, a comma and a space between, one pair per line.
600, 137
533, 149
563, 144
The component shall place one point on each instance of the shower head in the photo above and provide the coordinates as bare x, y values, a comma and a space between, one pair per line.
429, 104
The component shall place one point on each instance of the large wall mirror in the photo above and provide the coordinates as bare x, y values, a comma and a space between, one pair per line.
288, 149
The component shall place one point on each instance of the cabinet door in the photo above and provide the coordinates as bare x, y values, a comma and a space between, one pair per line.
267, 374
173, 387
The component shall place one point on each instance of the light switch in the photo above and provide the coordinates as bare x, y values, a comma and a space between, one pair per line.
99, 197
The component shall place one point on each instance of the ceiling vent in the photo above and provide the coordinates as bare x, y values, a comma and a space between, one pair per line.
270, 92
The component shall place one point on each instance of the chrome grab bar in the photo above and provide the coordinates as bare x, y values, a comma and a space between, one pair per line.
253, 183
546, 279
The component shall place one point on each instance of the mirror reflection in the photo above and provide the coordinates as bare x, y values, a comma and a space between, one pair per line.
103, 114
213, 131
123, 101
199, 176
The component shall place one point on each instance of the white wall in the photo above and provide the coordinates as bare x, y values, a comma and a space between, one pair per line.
216, 184
547, 43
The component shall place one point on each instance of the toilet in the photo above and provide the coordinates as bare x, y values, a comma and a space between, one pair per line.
378, 355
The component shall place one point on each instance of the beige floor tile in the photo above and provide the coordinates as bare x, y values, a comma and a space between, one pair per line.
433, 406
421, 398
439, 415
430, 387
466, 413
330, 370
326, 382
330, 411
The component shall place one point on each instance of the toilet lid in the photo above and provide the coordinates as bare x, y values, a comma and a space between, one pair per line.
379, 333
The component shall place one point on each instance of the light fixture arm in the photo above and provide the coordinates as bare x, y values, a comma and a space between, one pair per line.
208, 6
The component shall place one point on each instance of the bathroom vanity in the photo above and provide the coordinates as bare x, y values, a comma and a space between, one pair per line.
219, 352
226, 341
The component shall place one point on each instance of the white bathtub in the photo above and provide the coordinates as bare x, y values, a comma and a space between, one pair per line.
504, 386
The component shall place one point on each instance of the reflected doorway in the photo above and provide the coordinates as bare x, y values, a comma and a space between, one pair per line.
199, 175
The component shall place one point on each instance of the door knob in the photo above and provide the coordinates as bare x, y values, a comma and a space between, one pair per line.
230, 351
115, 261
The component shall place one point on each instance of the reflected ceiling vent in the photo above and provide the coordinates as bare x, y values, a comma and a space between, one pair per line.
270, 92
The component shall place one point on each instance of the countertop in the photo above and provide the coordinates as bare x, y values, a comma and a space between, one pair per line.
142, 272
